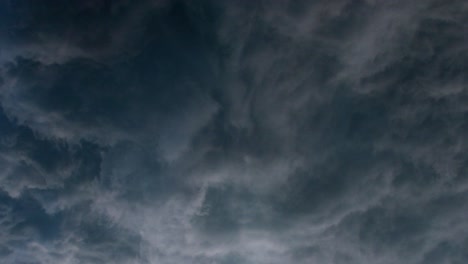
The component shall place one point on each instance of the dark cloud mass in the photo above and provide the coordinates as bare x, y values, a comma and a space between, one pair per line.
233, 132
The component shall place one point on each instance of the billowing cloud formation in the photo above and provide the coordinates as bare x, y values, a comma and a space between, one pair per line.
234, 132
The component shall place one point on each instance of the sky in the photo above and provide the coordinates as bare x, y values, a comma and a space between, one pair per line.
234, 132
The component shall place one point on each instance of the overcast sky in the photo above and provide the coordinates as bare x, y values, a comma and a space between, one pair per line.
234, 132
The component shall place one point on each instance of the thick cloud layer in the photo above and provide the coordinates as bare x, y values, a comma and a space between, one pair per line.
234, 132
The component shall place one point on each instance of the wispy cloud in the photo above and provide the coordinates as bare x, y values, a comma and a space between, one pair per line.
233, 132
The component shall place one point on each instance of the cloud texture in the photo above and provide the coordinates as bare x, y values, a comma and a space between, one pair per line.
234, 132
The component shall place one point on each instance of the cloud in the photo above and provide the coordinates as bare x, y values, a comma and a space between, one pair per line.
229, 132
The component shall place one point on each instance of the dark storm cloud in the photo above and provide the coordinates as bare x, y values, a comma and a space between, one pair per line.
233, 132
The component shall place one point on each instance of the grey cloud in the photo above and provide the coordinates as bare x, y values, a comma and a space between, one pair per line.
233, 132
